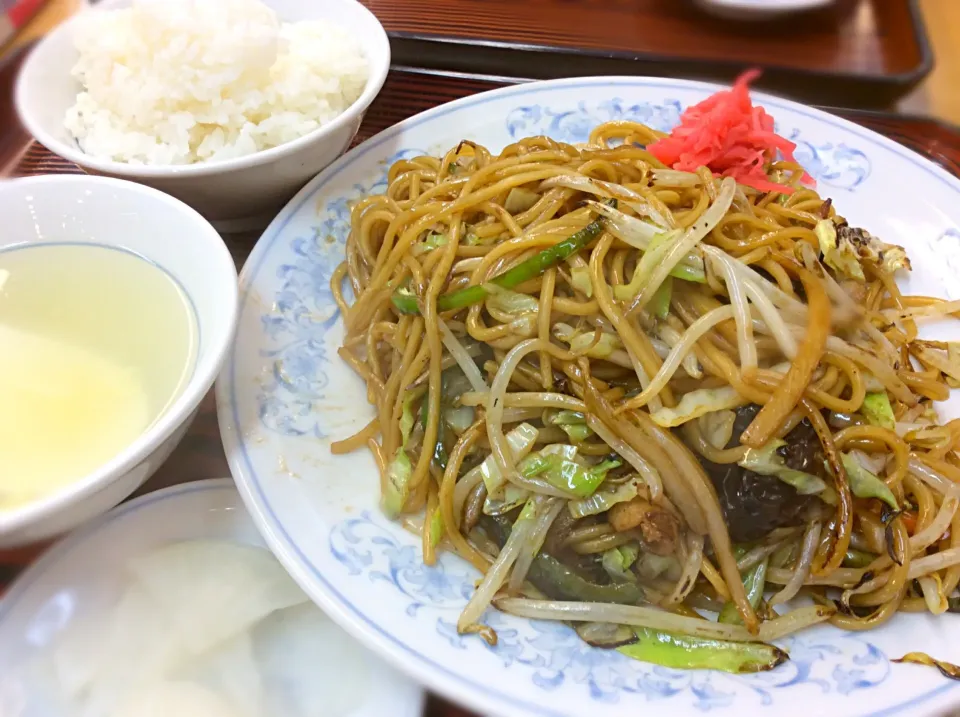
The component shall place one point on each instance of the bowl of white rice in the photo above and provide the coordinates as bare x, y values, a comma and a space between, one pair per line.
228, 105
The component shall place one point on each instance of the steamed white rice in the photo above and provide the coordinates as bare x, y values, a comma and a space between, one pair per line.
184, 81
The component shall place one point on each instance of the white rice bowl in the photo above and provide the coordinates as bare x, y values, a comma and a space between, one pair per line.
173, 82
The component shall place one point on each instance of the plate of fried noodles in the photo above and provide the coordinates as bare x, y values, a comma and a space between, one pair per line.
605, 395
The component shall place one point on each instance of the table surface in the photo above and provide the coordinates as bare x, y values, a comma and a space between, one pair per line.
200, 455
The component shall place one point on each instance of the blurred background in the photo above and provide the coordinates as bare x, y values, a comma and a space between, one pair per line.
892, 56
901, 55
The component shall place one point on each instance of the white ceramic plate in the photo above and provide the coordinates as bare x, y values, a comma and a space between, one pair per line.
760, 9
82, 573
284, 395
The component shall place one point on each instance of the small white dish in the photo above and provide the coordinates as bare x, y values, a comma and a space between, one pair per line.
232, 193
110, 212
760, 9
80, 575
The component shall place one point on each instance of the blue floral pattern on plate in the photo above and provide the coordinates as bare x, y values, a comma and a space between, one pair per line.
837, 166
552, 653
302, 314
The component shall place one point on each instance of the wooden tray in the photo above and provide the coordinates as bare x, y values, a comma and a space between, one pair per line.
863, 53
200, 454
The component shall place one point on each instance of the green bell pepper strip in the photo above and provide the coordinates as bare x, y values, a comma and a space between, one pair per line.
858, 558
560, 581
406, 301
686, 652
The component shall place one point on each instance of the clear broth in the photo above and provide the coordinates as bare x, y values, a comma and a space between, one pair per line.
95, 344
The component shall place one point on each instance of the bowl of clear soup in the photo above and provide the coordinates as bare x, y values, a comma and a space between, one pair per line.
117, 305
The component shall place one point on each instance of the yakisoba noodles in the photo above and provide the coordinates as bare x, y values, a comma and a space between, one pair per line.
657, 404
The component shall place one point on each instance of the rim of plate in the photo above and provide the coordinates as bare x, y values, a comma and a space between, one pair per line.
361, 625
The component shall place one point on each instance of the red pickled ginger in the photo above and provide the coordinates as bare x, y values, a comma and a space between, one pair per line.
729, 135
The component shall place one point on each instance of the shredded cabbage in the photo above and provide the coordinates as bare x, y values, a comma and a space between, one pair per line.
557, 466
579, 341
865, 484
617, 561
694, 404
432, 241
573, 423
400, 469
656, 252
580, 275
845, 249
460, 418
520, 440
652, 566
639, 234
717, 427
520, 200
603, 500
877, 410
510, 302
766, 461
513, 497
840, 256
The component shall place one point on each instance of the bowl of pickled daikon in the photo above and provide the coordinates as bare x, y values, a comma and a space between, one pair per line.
117, 305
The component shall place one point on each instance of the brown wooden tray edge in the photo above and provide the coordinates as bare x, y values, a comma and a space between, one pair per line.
494, 57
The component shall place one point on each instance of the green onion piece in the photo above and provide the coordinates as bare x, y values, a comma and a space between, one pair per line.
686, 652
660, 303
405, 301
529, 269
